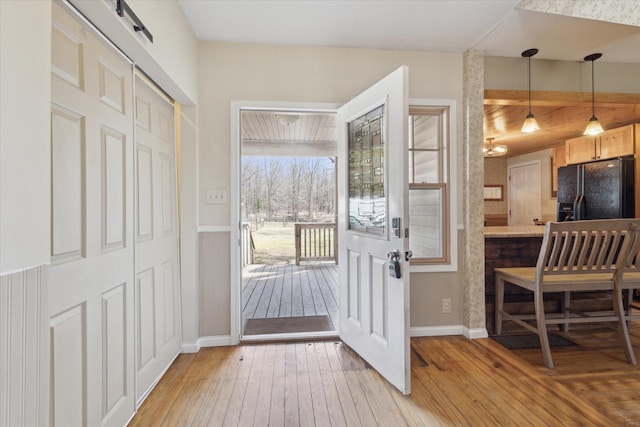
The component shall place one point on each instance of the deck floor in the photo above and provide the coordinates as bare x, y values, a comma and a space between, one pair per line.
288, 290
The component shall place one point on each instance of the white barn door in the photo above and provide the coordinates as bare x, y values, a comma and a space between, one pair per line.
157, 267
92, 271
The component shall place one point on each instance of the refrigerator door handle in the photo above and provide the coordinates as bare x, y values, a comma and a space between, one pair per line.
578, 208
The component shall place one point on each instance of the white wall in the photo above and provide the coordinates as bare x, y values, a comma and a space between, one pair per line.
25, 88
239, 72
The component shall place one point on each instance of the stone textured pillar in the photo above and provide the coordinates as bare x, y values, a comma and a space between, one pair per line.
473, 200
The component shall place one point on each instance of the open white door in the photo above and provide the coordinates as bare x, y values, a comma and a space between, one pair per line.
372, 216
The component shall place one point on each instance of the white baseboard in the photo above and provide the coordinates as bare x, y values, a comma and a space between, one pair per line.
475, 333
210, 341
438, 331
435, 331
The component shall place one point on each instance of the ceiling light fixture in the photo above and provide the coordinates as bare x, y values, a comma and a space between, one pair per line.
287, 119
493, 150
593, 125
530, 124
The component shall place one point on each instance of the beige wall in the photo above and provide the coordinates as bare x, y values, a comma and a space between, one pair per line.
495, 173
562, 76
231, 72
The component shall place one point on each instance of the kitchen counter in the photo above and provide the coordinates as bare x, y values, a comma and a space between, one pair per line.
510, 231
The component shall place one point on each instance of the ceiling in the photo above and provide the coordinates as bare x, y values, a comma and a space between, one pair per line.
495, 26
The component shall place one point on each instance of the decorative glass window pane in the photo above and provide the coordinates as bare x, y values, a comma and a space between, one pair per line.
425, 218
367, 201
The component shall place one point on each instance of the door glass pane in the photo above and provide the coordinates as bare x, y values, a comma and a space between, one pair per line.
367, 201
425, 218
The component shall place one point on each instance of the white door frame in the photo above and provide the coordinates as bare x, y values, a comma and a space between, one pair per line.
235, 293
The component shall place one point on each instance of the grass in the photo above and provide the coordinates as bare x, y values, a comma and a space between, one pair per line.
274, 244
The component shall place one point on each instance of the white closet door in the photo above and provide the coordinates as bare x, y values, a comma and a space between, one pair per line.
157, 266
92, 253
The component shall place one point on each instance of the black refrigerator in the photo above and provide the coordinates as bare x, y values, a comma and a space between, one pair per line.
596, 190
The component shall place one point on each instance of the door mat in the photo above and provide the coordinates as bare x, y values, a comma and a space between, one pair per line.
287, 325
519, 342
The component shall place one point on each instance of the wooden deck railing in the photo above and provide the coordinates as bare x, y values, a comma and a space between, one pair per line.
316, 242
247, 244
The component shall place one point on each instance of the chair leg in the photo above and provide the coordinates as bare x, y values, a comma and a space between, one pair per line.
499, 303
542, 328
565, 305
623, 331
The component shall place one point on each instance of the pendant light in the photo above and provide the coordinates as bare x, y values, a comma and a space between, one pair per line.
593, 125
493, 150
530, 125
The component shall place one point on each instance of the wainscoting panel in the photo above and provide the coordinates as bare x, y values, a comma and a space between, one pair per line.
24, 348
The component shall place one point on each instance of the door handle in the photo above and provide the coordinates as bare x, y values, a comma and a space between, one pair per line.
408, 255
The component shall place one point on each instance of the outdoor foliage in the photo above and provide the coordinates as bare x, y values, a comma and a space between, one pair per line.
299, 189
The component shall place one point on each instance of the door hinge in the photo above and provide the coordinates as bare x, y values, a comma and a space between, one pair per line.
406, 233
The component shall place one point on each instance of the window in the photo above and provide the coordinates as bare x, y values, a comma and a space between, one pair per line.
429, 185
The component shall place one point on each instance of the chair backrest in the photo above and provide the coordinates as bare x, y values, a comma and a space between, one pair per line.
593, 246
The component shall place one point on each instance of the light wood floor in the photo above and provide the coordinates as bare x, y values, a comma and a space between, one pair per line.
288, 290
455, 381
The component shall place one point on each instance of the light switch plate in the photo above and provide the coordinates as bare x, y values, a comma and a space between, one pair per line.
216, 197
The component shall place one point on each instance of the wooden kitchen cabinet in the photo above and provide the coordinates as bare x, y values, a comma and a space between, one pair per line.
611, 143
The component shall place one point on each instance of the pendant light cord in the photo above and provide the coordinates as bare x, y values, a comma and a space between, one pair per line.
593, 90
529, 85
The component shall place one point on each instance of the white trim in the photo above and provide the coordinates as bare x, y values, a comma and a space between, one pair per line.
190, 347
214, 341
214, 229
436, 331
234, 196
475, 333
452, 184
299, 336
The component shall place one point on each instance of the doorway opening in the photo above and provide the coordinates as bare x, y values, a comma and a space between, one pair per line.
288, 224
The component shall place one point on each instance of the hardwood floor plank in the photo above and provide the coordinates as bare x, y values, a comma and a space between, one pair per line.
276, 407
305, 399
265, 297
291, 404
318, 397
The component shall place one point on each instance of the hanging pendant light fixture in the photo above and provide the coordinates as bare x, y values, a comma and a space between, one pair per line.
491, 150
593, 125
530, 124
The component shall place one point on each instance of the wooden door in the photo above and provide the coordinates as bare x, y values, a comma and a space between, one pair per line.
157, 289
372, 196
91, 283
525, 194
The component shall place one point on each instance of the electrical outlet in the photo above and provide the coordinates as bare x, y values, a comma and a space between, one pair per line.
216, 197
446, 305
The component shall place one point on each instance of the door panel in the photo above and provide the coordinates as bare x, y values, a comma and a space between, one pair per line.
525, 194
372, 189
91, 281
157, 284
